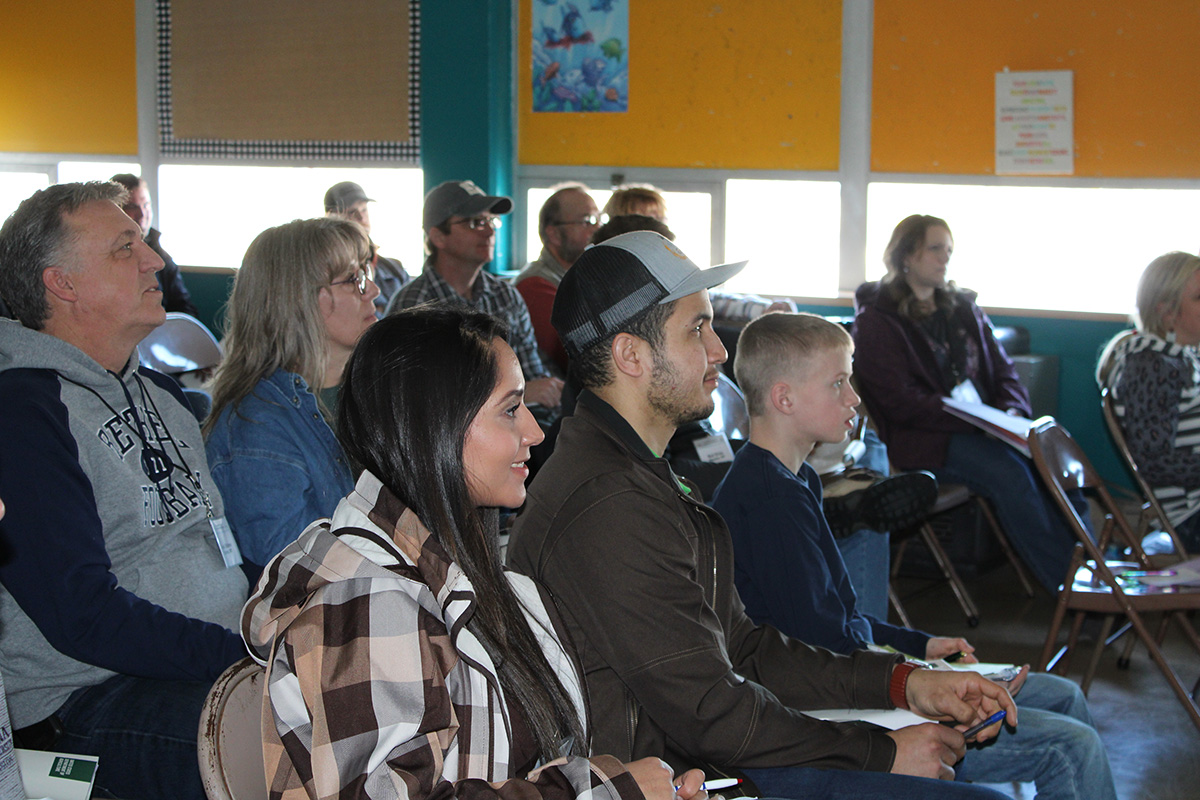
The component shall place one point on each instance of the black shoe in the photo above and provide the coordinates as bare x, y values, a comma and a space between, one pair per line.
862, 499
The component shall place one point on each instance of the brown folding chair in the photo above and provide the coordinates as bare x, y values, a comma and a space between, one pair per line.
1091, 585
950, 497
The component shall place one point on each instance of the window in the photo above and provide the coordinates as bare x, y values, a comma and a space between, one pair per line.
1070, 249
789, 231
689, 216
16, 186
210, 214
80, 171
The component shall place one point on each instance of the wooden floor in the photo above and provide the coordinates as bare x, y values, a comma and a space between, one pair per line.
1152, 745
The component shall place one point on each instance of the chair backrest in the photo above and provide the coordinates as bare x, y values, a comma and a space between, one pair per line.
1150, 504
1104, 368
230, 741
181, 344
1064, 467
730, 414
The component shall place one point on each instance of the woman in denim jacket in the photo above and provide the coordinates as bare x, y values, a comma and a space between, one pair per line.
302, 298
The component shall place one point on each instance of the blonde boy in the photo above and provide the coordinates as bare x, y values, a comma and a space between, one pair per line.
795, 370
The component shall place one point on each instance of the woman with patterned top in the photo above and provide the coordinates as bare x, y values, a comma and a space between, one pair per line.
403, 660
920, 339
1154, 377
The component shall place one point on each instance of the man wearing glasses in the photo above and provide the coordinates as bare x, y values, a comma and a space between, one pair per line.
348, 201
460, 222
566, 223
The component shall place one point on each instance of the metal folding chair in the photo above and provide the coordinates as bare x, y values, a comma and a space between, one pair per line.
1091, 584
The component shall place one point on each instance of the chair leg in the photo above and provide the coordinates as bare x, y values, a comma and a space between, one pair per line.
1009, 553
1156, 654
1126, 657
943, 561
1097, 651
1185, 625
894, 599
898, 559
1072, 640
1046, 663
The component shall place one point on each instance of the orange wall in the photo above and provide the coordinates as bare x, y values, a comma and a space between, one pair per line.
1136, 74
736, 84
68, 77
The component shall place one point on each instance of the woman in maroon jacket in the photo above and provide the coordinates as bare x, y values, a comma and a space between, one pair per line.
919, 338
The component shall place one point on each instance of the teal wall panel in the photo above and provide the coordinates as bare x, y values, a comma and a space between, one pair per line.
467, 128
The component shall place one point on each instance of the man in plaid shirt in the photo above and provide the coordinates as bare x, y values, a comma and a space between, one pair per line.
460, 223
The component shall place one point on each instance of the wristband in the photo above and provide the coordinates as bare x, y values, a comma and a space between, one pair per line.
899, 684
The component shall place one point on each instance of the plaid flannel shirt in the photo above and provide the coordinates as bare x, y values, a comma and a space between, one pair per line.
492, 296
376, 688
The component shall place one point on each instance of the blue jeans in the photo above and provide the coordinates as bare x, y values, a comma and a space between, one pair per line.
868, 553
805, 783
1030, 517
144, 732
1055, 745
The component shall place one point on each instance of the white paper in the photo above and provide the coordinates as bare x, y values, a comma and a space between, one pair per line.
10, 771
58, 776
893, 719
1035, 123
1011, 430
1187, 573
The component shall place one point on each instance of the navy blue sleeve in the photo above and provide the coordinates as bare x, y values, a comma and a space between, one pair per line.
788, 570
56, 566
907, 641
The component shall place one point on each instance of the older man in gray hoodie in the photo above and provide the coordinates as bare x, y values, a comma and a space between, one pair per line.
119, 590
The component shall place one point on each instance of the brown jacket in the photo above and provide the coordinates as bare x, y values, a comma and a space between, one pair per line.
643, 574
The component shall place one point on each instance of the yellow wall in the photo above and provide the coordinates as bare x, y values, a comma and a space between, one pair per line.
735, 84
68, 77
1136, 74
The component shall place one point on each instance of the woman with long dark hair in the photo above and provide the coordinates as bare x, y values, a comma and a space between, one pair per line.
403, 659
919, 339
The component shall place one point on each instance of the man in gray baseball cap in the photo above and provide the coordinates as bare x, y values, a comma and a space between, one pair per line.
642, 569
348, 201
460, 222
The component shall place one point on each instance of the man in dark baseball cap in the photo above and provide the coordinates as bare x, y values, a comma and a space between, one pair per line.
348, 201
460, 222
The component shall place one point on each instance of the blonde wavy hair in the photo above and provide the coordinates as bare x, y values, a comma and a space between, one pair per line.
273, 320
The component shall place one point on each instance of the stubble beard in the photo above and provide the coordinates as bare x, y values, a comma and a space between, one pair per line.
669, 398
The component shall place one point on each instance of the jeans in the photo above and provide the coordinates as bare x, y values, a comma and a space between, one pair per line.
144, 732
868, 553
1054, 745
805, 783
1031, 519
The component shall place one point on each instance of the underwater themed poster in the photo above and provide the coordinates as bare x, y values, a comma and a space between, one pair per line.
580, 58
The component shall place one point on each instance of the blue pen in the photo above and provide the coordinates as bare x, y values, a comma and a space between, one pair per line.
972, 732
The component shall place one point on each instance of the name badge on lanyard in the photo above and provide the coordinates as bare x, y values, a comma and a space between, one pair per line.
230, 553
966, 392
